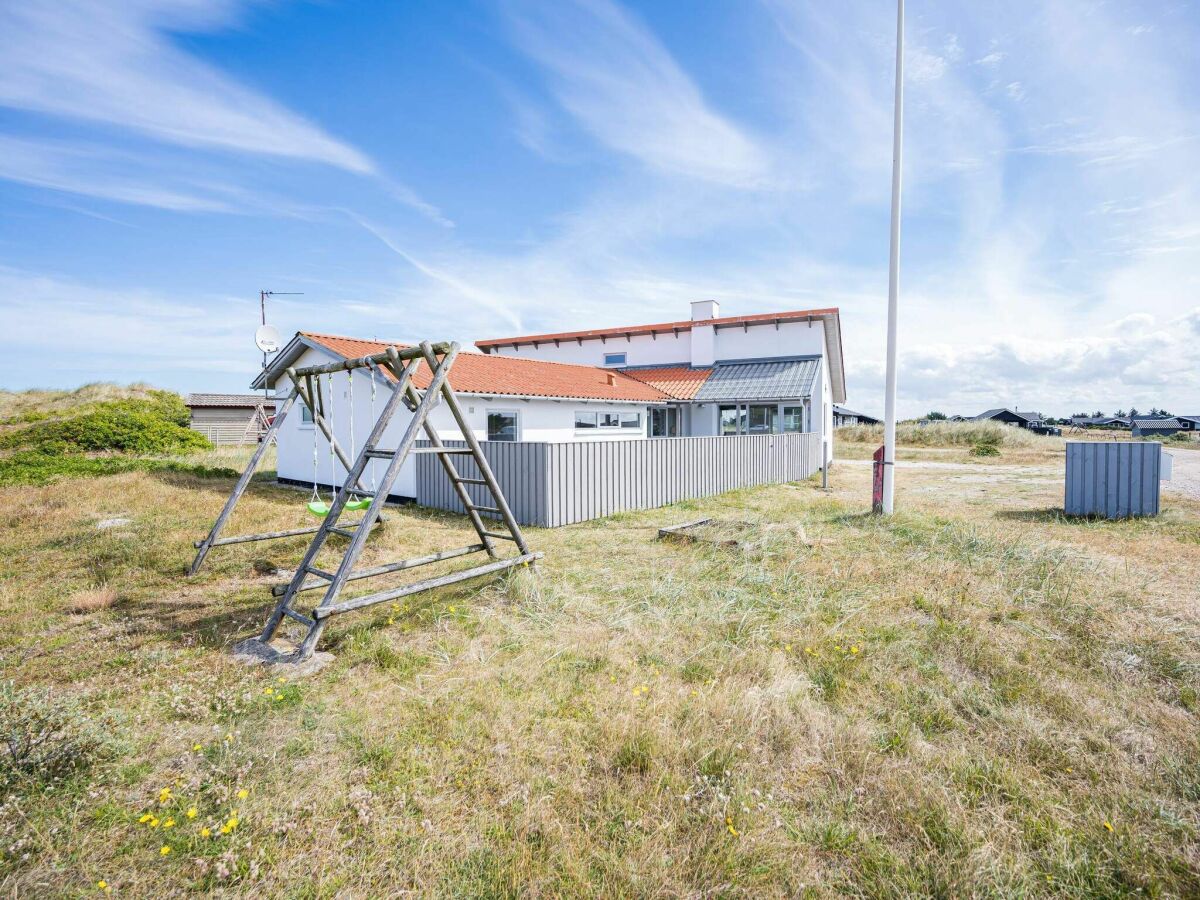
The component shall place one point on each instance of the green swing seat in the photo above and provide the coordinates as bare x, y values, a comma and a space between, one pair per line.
358, 503
318, 508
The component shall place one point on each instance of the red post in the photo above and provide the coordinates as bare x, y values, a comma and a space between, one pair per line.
877, 482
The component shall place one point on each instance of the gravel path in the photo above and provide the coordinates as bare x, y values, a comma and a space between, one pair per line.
1185, 474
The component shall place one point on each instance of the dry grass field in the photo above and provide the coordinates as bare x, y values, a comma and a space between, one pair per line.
977, 698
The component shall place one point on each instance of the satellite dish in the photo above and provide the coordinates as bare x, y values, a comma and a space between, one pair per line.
267, 338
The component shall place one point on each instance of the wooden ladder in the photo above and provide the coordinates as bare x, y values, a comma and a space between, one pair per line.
309, 577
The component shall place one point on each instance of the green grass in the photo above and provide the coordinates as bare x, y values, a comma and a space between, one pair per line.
953, 702
39, 468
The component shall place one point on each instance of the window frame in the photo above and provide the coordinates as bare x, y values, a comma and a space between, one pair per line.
516, 415
637, 420
615, 425
587, 412
624, 359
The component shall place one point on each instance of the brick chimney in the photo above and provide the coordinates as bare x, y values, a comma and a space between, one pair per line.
704, 337
612, 379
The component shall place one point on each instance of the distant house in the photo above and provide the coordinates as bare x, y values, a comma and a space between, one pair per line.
1189, 423
231, 418
1034, 421
843, 417
1099, 421
1160, 426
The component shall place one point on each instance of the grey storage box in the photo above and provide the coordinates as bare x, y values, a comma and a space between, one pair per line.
1113, 479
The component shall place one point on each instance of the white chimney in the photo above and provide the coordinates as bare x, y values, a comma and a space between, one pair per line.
704, 337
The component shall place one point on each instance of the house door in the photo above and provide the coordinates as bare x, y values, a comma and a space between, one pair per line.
664, 421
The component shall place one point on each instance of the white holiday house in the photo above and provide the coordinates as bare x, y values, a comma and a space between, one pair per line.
708, 375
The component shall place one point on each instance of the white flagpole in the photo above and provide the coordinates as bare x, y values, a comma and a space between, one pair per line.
889, 406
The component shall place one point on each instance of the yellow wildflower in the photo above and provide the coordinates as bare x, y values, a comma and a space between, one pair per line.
854, 648
102, 884
229, 738
192, 812
268, 691
146, 818
243, 794
170, 823
153, 822
205, 831
729, 825
279, 696
164, 850
1108, 825
197, 747
164, 795
787, 648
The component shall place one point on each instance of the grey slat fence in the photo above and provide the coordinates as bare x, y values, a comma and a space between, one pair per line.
1114, 479
557, 483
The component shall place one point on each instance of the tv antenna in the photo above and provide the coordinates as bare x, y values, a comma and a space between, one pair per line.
267, 338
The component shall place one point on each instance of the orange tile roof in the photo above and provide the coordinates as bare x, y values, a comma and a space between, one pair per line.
687, 325
680, 382
476, 373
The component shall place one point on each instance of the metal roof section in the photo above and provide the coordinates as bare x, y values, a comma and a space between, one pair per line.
249, 401
777, 380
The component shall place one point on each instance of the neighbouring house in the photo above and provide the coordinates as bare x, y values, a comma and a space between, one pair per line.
843, 417
1033, 421
1159, 426
707, 376
231, 418
1189, 423
1099, 422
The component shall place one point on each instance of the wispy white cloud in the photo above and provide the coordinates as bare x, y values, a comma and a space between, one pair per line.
626, 89
119, 334
114, 63
98, 172
162, 127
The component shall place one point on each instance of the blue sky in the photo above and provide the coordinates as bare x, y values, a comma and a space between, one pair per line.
476, 169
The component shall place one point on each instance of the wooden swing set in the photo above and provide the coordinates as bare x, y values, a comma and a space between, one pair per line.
402, 363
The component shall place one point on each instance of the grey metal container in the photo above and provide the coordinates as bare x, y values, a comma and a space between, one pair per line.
1114, 479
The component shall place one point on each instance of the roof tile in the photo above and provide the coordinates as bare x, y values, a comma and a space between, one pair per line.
679, 382
476, 373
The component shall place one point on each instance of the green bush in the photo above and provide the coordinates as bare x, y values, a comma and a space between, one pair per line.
43, 738
155, 424
986, 445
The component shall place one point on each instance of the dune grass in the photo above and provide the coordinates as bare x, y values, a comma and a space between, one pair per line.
952, 434
969, 700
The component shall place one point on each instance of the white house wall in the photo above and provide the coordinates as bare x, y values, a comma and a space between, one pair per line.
640, 350
754, 342
538, 420
757, 341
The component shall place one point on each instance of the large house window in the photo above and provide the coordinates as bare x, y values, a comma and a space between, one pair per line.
585, 420
502, 425
614, 359
631, 420
732, 419
762, 419
610, 420
793, 419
